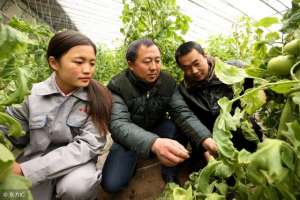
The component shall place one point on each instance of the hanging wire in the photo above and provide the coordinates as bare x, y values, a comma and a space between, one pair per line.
263, 1
3, 5
42, 11
30, 13
211, 11
36, 10
50, 15
286, 7
236, 8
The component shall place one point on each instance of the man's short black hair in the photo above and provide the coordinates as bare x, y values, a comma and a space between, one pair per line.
133, 47
186, 48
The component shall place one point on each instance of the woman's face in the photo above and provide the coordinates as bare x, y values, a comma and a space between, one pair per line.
75, 68
147, 64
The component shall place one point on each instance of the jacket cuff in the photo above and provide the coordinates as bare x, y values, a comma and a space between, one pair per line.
201, 140
150, 153
33, 171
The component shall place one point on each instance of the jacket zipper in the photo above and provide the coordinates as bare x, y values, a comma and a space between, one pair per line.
146, 109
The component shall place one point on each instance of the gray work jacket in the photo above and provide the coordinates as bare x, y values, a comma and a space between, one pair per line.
59, 131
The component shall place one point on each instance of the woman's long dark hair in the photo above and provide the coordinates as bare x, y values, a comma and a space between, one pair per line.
100, 100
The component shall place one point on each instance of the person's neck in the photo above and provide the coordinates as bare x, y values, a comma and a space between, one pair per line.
63, 90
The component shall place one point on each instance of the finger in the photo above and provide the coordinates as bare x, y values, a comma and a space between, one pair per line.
180, 146
178, 152
173, 158
166, 162
207, 156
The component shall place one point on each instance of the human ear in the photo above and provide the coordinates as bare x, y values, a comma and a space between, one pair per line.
53, 63
130, 65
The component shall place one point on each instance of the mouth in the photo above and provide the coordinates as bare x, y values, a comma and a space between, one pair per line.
198, 77
152, 75
85, 79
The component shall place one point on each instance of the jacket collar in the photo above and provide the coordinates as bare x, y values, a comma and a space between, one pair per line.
48, 87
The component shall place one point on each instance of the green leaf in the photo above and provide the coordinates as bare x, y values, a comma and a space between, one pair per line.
215, 196
253, 100
182, 194
16, 185
272, 36
292, 134
222, 187
287, 115
21, 91
205, 177
274, 52
284, 86
253, 71
248, 131
266, 22
266, 162
6, 162
14, 127
11, 41
229, 74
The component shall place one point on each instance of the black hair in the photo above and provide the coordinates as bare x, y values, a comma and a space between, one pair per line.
186, 48
62, 42
133, 47
100, 100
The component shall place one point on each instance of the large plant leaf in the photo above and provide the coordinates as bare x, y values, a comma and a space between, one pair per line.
229, 74
253, 100
267, 22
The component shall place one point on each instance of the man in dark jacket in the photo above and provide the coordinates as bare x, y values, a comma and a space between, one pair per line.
201, 88
144, 101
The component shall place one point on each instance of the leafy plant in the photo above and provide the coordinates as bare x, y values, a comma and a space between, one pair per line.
22, 62
160, 21
272, 171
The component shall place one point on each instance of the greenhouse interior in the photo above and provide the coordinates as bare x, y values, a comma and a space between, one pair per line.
196, 99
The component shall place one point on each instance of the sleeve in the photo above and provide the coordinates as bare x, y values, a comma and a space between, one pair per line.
186, 120
127, 133
58, 162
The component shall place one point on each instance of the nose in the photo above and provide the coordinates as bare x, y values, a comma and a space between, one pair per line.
194, 70
154, 65
87, 69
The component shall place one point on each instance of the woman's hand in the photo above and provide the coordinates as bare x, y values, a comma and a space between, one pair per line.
17, 169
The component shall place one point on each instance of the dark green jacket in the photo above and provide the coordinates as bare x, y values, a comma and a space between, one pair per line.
138, 108
202, 97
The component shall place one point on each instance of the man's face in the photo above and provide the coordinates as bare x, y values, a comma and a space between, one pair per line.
194, 66
147, 64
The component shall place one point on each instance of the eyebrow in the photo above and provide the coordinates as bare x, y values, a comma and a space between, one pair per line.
152, 57
83, 58
191, 64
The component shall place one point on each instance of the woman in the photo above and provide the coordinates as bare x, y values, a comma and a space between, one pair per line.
66, 118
